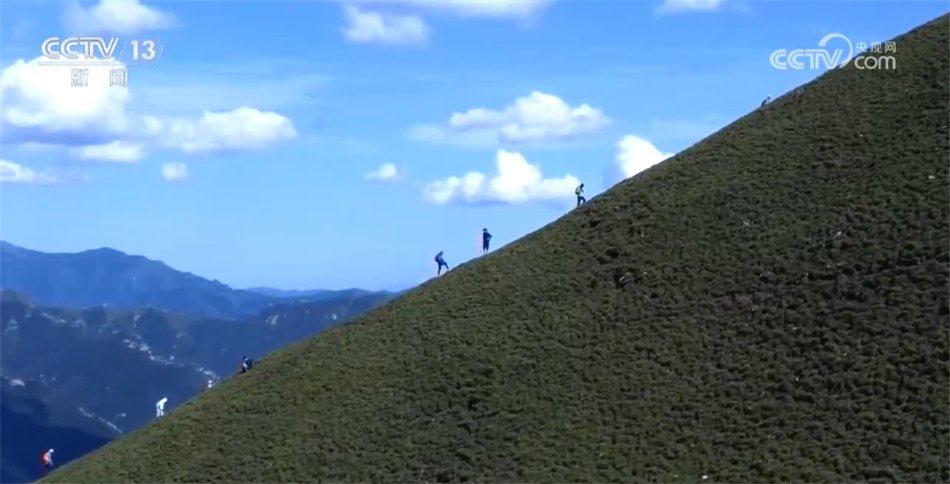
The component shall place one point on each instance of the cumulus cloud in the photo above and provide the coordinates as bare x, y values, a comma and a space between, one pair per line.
116, 16
174, 171
40, 105
634, 155
376, 27
241, 129
11, 172
385, 172
679, 6
116, 151
516, 181
42, 108
536, 117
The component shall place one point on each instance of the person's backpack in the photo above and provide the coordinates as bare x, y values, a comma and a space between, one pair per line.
577, 191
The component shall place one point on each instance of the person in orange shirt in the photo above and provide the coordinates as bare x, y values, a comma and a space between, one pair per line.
47, 459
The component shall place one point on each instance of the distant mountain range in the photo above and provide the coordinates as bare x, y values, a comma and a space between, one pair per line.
101, 335
108, 276
112, 364
117, 363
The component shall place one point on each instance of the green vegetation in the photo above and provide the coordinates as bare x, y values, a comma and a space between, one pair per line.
769, 305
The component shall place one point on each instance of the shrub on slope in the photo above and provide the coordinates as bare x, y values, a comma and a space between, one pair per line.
769, 305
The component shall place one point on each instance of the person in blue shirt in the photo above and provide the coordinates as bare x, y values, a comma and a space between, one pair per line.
441, 262
486, 239
247, 364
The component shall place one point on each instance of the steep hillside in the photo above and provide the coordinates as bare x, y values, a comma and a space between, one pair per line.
32, 419
108, 276
769, 305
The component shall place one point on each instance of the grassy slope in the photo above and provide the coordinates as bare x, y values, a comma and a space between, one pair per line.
809, 344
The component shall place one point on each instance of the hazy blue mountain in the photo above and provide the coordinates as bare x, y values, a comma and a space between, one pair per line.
108, 276
117, 363
32, 419
99, 359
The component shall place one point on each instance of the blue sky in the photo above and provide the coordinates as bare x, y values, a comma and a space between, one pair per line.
253, 150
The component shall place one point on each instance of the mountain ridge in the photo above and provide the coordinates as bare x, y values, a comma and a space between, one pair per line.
109, 276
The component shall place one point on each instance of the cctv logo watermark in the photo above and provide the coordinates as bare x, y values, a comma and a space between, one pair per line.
836, 50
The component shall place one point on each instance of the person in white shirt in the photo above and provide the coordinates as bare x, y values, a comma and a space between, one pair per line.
160, 407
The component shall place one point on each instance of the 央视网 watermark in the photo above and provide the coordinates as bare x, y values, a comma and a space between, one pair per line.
843, 53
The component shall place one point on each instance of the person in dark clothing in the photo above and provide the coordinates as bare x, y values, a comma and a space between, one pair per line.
766, 101
247, 364
579, 191
486, 239
441, 262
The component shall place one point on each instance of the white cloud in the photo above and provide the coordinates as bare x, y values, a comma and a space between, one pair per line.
480, 8
238, 130
42, 108
515, 182
386, 172
678, 6
174, 171
117, 16
41, 105
11, 172
535, 117
634, 155
383, 28
116, 151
